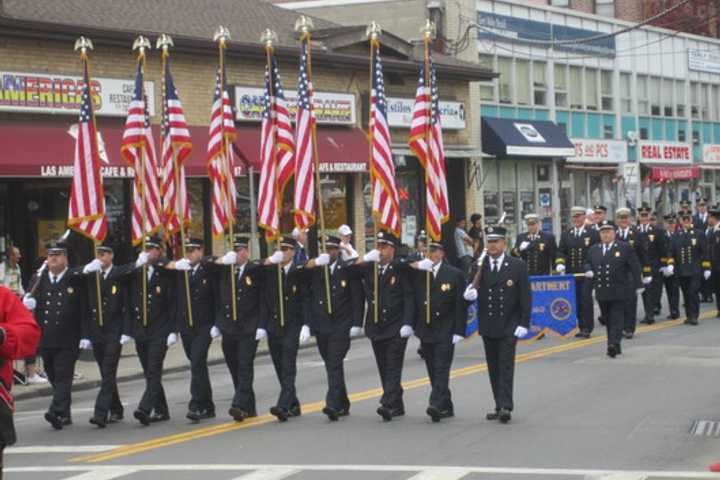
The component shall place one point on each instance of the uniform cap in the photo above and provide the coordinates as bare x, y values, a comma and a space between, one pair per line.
495, 232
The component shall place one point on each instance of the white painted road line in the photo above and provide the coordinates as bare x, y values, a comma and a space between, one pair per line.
108, 474
272, 473
34, 449
449, 473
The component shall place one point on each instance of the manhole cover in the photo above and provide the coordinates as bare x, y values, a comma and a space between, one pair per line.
705, 428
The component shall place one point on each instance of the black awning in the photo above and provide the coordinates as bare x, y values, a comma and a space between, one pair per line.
504, 137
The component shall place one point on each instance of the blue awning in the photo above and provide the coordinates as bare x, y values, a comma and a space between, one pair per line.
504, 137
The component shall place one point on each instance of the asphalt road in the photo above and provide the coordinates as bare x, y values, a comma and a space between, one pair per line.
579, 415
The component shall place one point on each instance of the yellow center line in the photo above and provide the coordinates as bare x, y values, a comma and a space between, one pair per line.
168, 440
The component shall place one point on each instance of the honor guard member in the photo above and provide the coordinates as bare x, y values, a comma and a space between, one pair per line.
154, 333
196, 324
700, 222
333, 330
502, 285
536, 247
282, 322
714, 252
389, 332
652, 242
689, 264
669, 281
59, 303
614, 270
105, 332
571, 258
421, 252
440, 328
628, 233
240, 334
599, 215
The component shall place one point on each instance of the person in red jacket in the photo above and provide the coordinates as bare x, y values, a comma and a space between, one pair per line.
19, 337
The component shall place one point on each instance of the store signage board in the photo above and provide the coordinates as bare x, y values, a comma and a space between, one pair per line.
400, 113
54, 93
599, 151
704, 61
671, 153
330, 108
711, 153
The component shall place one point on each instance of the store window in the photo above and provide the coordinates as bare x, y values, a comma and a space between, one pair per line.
695, 100
539, 84
591, 89
522, 82
560, 3
487, 89
680, 98
625, 93
505, 79
561, 93
667, 97
606, 90
655, 98
575, 87
605, 8
642, 94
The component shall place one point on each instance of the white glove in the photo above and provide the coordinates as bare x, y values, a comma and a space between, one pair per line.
524, 245
470, 294
215, 332
172, 339
589, 274
183, 264
406, 331
260, 333
356, 331
322, 260
142, 259
276, 257
425, 264
520, 331
639, 291
94, 266
304, 334
669, 271
372, 256
42, 268
647, 280
29, 302
230, 258
706, 274
85, 344
481, 259
125, 339
457, 339
560, 268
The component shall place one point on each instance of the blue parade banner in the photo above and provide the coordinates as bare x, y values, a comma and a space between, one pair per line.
553, 308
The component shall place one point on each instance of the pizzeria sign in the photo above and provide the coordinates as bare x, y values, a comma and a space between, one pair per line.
330, 108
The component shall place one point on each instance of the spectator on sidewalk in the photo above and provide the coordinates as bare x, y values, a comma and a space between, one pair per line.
476, 234
463, 245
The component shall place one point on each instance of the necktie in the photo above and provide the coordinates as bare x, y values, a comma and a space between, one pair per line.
605, 249
53, 279
495, 266
577, 232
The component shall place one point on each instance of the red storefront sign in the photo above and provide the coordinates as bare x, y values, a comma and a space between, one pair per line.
663, 174
664, 152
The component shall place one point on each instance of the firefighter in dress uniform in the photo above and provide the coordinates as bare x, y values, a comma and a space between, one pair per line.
535, 247
652, 241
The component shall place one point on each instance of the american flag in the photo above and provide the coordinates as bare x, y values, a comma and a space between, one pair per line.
221, 160
276, 151
304, 167
176, 147
426, 130
86, 214
385, 202
138, 149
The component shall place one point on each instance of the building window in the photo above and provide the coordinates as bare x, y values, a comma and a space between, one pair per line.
539, 84
560, 3
681, 135
561, 94
655, 98
605, 8
625, 93
487, 90
705, 101
715, 103
642, 94
608, 133
680, 98
591, 89
505, 80
522, 82
695, 100
643, 133
575, 88
606, 90
667, 95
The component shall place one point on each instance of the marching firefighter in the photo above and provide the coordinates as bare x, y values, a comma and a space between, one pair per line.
714, 253
536, 247
669, 281
629, 234
652, 241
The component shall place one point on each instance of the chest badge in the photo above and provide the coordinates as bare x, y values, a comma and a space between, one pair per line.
445, 287
70, 290
651, 237
158, 290
509, 283
632, 242
294, 288
343, 283
248, 281
392, 280
114, 290
617, 254
693, 241
587, 241
541, 246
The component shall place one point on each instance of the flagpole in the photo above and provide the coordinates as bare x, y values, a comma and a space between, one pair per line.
222, 35
304, 26
164, 42
373, 32
84, 44
268, 37
428, 31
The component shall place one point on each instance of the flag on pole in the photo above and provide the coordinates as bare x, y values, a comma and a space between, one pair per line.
176, 147
276, 152
86, 214
221, 158
304, 197
139, 151
427, 143
385, 202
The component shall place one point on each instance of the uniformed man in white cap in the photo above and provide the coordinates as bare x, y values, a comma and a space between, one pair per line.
628, 233
347, 251
300, 236
571, 257
536, 247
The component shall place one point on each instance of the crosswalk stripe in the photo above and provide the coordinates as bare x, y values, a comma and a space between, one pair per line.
441, 474
274, 473
107, 474
35, 449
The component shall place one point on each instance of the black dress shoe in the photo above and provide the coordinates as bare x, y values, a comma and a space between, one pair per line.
115, 417
673, 316
280, 413
504, 415
197, 415
54, 420
344, 412
331, 413
647, 321
492, 415
691, 321
436, 414
582, 334
388, 413
159, 417
238, 414
628, 335
66, 421
612, 351
142, 417
294, 411
98, 421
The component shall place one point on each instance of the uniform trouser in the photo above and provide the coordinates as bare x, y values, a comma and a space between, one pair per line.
389, 356
690, 287
500, 358
438, 359
107, 356
630, 314
152, 355
706, 288
652, 294
333, 350
673, 294
60, 368
613, 311
584, 301
283, 351
239, 352
715, 281
196, 346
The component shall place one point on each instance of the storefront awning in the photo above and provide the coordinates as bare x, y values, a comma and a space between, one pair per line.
504, 137
664, 174
47, 150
